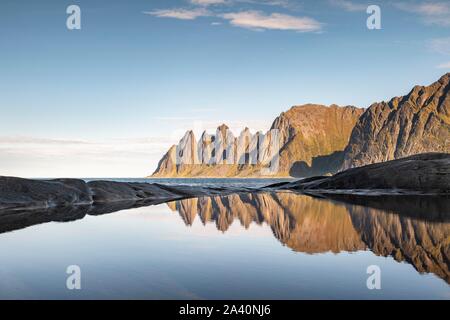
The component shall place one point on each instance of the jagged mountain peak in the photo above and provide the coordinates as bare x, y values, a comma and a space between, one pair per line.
315, 139
303, 133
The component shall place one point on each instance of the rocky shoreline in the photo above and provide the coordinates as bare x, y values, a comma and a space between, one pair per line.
27, 194
425, 174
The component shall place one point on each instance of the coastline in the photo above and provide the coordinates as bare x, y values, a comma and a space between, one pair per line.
425, 174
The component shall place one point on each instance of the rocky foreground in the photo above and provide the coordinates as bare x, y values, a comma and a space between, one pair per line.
19, 194
410, 228
419, 174
427, 173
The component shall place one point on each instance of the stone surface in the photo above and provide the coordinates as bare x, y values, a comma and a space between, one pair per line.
27, 194
24, 193
425, 173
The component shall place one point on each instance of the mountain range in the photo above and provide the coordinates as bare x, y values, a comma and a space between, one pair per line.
311, 139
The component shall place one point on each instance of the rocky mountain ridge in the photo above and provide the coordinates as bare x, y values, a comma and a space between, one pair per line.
308, 138
418, 122
312, 140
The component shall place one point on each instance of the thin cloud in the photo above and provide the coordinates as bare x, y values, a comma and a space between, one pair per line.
278, 3
169, 119
46, 157
440, 45
275, 3
251, 19
431, 12
256, 20
348, 5
207, 2
444, 66
34, 140
180, 13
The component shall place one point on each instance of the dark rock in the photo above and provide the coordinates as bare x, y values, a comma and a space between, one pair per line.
26, 194
111, 191
425, 173
35, 194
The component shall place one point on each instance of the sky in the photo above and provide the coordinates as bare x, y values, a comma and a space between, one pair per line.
108, 100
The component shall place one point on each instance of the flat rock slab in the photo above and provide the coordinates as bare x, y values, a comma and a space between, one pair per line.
17, 193
420, 174
20, 194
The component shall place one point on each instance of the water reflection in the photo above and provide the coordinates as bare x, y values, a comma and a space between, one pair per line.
411, 229
415, 230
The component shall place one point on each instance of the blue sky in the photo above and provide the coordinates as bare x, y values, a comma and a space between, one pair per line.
108, 99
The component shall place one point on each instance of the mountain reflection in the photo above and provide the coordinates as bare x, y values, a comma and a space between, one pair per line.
388, 226
412, 229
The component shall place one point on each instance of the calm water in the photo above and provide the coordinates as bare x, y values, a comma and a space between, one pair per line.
234, 182
242, 246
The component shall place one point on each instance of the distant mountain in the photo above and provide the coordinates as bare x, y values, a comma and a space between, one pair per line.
317, 140
416, 123
305, 140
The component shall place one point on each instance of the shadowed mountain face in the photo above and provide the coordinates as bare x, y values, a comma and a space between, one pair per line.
313, 225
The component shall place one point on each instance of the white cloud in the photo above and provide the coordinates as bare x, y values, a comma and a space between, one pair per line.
32, 140
251, 19
433, 9
348, 5
41, 157
431, 12
256, 20
277, 3
180, 13
208, 2
444, 66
